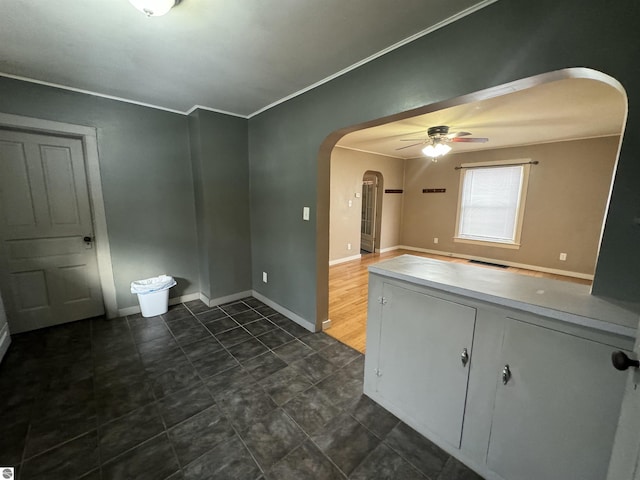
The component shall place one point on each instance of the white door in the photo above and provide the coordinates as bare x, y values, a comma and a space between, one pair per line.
48, 268
368, 217
625, 457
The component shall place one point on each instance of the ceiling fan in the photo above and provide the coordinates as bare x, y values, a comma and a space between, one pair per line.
437, 139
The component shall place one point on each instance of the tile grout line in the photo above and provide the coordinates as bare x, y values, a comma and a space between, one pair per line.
26, 458
95, 396
231, 424
278, 406
155, 404
236, 432
241, 364
182, 348
312, 441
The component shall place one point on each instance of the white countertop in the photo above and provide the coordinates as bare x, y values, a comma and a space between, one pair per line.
569, 302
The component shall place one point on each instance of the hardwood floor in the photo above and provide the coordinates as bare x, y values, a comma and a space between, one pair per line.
348, 293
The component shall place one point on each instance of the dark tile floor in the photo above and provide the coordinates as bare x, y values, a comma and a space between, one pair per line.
236, 392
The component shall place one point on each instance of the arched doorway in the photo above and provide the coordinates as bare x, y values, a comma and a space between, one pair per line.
495, 92
371, 212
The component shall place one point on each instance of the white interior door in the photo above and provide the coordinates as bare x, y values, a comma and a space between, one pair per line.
368, 218
48, 272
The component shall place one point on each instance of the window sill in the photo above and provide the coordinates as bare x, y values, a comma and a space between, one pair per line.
511, 246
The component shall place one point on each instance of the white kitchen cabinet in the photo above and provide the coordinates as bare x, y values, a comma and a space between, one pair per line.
556, 416
420, 368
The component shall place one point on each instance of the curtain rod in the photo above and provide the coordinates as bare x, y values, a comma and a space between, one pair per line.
534, 162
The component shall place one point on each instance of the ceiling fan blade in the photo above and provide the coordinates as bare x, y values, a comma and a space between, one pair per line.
413, 140
470, 140
409, 146
458, 134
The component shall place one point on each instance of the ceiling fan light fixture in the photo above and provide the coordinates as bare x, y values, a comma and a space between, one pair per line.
436, 150
429, 151
154, 8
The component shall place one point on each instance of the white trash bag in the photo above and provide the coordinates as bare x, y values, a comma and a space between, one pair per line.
154, 284
153, 294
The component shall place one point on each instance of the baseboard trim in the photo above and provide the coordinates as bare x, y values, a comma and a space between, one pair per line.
231, 298
390, 249
122, 312
566, 273
5, 340
204, 299
344, 259
227, 298
286, 312
326, 324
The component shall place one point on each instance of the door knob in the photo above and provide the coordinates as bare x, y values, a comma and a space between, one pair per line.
621, 361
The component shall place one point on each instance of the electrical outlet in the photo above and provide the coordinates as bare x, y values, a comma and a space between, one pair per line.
264, 277
435, 239
351, 203
563, 257
348, 246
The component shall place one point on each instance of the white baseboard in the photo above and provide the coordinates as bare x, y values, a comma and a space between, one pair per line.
5, 340
227, 298
172, 301
231, 298
326, 324
390, 249
287, 313
344, 259
566, 273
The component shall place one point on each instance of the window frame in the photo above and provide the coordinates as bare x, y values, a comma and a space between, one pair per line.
525, 163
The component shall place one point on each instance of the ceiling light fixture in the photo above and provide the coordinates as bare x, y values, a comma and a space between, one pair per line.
436, 149
154, 8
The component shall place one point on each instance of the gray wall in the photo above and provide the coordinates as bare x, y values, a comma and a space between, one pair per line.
221, 184
504, 42
146, 166
146, 180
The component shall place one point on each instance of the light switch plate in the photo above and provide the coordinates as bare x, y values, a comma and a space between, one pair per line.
305, 213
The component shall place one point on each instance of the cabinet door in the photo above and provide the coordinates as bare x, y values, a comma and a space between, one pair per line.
556, 416
420, 368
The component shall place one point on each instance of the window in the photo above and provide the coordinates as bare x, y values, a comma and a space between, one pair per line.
491, 204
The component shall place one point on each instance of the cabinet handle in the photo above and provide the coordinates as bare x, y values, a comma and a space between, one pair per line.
464, 357
621, 361
506, 374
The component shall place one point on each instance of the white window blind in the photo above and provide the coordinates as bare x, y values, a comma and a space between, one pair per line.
489, 204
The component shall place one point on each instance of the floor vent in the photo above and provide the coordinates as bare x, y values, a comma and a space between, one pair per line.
480, 262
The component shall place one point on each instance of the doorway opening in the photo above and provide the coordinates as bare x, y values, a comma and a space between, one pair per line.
371, 212
430, 189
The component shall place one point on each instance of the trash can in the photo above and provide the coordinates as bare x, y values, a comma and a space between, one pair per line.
153, 294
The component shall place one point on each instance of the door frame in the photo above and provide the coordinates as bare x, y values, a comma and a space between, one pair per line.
377, 227
89, 138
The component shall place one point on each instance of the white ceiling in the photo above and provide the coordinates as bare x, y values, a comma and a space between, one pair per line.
236, 56
557, 111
